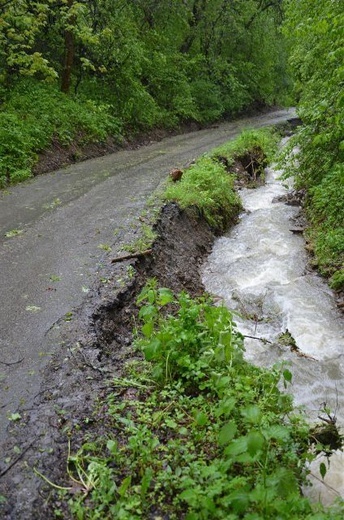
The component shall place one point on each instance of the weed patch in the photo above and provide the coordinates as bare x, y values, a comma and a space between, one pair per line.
208, 185
194, 431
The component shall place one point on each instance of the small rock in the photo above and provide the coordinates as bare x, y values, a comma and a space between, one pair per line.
297, 230
176, 174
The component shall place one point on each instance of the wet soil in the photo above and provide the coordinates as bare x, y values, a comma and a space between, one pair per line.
96, 344
58, 155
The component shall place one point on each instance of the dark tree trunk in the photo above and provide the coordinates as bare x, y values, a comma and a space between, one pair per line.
66, 78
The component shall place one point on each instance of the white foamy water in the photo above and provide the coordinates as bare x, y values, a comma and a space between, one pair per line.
260, 270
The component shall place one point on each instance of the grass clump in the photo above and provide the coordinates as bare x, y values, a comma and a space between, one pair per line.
194, 431
209, 187
265, 139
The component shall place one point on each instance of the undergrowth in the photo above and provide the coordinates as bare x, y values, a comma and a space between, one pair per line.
194, 431
317, 51
325, 212
208, 186
34, 114
326, 215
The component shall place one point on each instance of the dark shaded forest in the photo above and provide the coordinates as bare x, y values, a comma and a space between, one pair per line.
97, 68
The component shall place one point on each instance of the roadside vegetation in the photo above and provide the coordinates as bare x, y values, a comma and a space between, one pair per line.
208, 185
36, 115
87, 71
317, 55
194, 431
191, 429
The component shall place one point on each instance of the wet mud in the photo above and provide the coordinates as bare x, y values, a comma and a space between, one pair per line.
95, 345
90, 344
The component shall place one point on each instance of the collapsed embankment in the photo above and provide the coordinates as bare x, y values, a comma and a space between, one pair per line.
91, 349
96, 344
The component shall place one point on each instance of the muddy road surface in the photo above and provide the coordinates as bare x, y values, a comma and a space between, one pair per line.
56, 234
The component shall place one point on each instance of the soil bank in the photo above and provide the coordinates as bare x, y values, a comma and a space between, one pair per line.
97, 344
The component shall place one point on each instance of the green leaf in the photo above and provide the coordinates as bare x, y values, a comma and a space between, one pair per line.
165, 296
225, 406
146, 480
151, 349
252, 414
201, 418
237, 446
278, 432
171, 424
255, 442
147, 312
147, 329
287, 375
112, 446
227, 433
124, 486
323, 470
239, 500
188, 495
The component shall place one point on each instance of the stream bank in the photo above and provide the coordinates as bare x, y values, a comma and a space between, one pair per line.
261, 269
96, 344
56, 332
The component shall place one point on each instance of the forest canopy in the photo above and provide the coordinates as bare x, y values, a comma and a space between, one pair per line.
129, 66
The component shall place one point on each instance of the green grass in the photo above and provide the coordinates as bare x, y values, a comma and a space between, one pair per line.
264, 139
208, 186
194, 432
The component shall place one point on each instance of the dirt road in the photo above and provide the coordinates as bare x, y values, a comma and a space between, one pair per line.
55, 232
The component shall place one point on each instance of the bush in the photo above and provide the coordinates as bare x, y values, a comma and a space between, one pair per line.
34, 114
194, 431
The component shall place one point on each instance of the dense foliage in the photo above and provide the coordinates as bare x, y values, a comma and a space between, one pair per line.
136, 64
317, 32
194, 432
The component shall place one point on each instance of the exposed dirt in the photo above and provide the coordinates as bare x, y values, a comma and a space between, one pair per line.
59, 155
97, 343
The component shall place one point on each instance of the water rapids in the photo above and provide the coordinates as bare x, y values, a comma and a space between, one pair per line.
261, 270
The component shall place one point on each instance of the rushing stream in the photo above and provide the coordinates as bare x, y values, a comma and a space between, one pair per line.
260, 269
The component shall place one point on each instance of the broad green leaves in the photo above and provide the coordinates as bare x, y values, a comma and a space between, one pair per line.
212, 440
316, 31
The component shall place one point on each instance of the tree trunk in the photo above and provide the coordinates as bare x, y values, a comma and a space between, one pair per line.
66, 78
